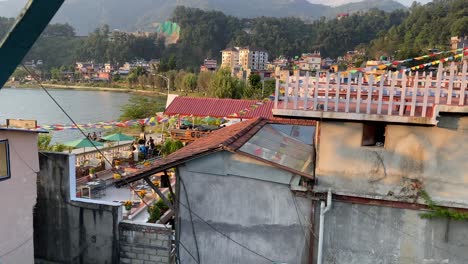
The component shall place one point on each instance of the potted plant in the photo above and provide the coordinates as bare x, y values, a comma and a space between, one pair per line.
117, 176
128, 206
117, 164
142, 194
92, 173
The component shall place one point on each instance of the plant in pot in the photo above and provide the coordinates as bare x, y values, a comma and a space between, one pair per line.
92, 173
117, 164
154, 213
128, 206
142, 194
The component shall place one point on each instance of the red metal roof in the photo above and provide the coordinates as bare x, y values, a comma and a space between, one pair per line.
214, 107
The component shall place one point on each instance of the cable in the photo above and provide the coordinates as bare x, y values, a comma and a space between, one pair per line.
226, 236
17, 247
191, 219
299, 218
22, 159
99, 151
188, 252
81, 130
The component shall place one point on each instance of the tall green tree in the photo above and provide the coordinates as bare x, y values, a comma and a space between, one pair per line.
224, 85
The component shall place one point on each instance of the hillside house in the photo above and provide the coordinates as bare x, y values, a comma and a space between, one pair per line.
19, 165
242, 181
385, 150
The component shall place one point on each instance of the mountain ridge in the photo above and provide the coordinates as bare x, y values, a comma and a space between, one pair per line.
86, 15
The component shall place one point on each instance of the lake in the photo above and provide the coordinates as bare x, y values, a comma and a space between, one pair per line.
82, 106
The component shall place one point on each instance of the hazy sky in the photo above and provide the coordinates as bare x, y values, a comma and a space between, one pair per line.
340, 2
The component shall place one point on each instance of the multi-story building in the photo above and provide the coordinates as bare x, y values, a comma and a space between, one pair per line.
230, 57
209, 65
253, 58
309, 62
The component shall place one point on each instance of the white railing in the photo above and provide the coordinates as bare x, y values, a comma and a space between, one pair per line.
400, 94
93, 154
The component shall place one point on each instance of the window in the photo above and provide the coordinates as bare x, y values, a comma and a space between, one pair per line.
4, 160
373, 135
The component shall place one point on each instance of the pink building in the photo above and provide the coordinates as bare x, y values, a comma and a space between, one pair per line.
19, 164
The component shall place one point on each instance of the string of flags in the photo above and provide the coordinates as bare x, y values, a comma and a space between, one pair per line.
251, 108
422, 66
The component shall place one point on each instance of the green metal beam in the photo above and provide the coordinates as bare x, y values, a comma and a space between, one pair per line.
28, 27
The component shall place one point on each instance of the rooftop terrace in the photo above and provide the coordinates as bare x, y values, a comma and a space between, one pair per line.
392, 97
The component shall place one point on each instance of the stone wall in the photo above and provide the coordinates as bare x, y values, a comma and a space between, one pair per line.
144, 243
431, 157
66, 230
365, 234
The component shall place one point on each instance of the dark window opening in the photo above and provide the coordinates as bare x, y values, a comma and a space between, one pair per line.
373, 135
4, 160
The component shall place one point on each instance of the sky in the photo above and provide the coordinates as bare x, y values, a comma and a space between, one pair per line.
340, 2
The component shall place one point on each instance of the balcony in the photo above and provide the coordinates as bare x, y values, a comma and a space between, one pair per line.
392, 97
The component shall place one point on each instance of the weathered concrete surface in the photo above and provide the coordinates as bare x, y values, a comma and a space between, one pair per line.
67, 231
434, 156
361, 234
18, 196
258, 213
144, 243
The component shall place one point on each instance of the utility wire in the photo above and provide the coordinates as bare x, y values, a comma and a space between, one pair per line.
17, 247
191, 219
99, 151
82, 132
197, 261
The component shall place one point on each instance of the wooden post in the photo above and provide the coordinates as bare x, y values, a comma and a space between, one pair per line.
327, 87
337, 92
370, 93
463, 83
348, 95
296, 89
403, 95
415, 93
439, 82
306, 90
358, 96
379, 105
426, 95
393, 80
316, 92
286, 92
277, 92
451, 78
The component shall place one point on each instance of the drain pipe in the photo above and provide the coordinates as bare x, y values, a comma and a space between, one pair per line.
323, 211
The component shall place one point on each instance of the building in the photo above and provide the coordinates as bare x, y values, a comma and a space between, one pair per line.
309, 62
340, 16
253, 58
183, 106
19, 166
459, 42
247, 186
209, 65
390, 161
230, 57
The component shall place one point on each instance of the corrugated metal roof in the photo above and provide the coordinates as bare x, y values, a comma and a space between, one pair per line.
218, 108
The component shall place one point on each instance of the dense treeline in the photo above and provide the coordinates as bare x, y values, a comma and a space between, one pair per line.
205, 33
427, 26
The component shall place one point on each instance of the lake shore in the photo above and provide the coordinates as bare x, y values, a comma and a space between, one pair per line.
83, 88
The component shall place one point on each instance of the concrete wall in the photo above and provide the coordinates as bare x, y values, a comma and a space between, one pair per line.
362, 234
67, 231
434, 156
144, 243
18, 196
247, 200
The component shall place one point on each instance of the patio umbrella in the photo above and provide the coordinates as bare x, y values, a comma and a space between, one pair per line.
118, 137
83, 143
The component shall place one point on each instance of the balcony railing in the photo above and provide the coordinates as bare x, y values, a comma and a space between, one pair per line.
391, 96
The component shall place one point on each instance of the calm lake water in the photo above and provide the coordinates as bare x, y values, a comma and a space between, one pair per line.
82, 106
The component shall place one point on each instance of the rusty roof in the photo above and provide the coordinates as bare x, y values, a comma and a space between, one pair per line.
230, 138
215, 107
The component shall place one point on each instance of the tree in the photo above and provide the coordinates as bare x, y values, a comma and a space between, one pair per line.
204, 80
44, 144
141, 107
223, 85
190, 82
171, 146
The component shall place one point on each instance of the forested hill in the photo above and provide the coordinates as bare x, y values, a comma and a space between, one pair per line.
427, 26
86, 15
